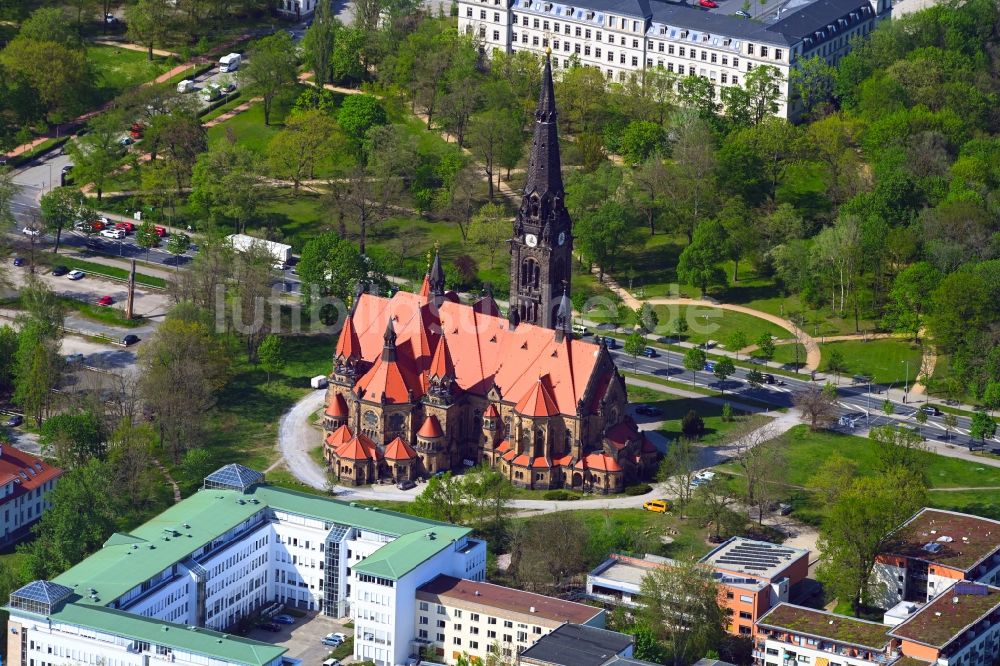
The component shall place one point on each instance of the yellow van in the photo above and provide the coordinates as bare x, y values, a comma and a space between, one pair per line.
657, 506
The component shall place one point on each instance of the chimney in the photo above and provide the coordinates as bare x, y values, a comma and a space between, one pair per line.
531, 610
954, 600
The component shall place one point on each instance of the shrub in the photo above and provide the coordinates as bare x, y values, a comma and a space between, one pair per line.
692, 425
638, 489
560, 495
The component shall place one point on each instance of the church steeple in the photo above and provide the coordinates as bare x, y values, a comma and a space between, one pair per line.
389, 343
542, 245
435, 279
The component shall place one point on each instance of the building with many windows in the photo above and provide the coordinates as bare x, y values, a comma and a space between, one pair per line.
168, 588
24, 482
629, 37
456, 617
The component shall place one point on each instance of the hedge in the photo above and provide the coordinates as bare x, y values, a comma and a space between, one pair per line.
40, 149
560, 495
638, 489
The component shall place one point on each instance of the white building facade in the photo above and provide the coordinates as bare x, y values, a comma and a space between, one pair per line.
224, 554
624, 38
25, 480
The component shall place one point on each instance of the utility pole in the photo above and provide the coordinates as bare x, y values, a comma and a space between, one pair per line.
906, 382
129, 303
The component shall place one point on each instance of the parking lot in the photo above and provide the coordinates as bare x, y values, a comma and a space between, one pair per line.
303, 638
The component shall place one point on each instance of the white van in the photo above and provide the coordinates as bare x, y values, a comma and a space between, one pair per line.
230, 62
185, 86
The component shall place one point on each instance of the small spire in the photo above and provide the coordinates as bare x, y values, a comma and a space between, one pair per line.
435, 277
513, 318
389, 349
564, 314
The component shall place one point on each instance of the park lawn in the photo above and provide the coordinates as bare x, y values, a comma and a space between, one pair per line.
785, 355
984, 503
674, 409
116, 70
249, 128
243, 425
706, 323
690, 540
883, 360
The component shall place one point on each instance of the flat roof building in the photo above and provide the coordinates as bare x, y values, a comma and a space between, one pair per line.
579, 645
932, 550
169, 586
456, 616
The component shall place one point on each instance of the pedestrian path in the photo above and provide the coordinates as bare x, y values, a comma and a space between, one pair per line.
129, 46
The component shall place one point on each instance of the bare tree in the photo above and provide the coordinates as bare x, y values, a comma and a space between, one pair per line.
817, 405
758, 456
678, 468
365, 198
252, 284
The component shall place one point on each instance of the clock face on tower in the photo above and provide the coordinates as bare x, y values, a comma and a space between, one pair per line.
531, 240
562, 237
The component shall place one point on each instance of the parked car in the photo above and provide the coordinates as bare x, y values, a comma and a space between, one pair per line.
130, 339
97, 225
708, 4
127, 227
59, 270
136, 131
31, 231
111, 19
125, 141
768, 378
160, 231
269, 626
19, 261
932, 410
648, 410
743, 13
105, 300
657, 506
14, 421
75, 275
705, 475
406, 484
784, 509
228, 88
332, 662
649, 352
73, 358
113, 233
580, 329
332, 640
283, 618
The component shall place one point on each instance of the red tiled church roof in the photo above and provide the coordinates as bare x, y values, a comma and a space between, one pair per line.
339, 436
347, 343
491, 412
431, 429
538, 401
359, 448
441, 364
598, 461
399, 450
337, 407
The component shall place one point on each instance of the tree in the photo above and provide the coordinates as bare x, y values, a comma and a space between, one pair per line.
699, 263
755, 378
765, 346
178, 244
183, 366
680, 326
640, 140
812, 81
834, 476
692, 425
681, 605
816, 405
754, 100
697, 93
149, 23
146, 237
724, 368
61, 208
443, 499
270, 70
550, 551
98, 154
835, 363
888, 407
309, 138
678, 468
634, 345
358, 114
650, 192
80, 518
898, 447
982, 427
713, 506
858, 527
317, 44
37, 368
490, 228
601, 235
178, 138
488, 494
330, 266
72, 438
56, 74
8, 190
690, 179
646, 318
492, 134
908, 300
737, 340
991, 395
49, 24
271, 354
227, 184
950, 423
694, 360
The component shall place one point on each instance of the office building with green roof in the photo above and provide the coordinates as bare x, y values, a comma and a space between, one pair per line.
171, 588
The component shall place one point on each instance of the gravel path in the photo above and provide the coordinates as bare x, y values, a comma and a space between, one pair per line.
296, 435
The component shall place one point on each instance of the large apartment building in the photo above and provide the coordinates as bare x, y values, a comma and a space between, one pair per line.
628, 37
25, 480
167, 589
932, 550
457, 617
753, 577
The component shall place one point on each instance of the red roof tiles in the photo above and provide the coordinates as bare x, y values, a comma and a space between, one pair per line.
441, 364
431, 429
491, 412
392, 379
359, 448
337, 407
599, 461
399, 450
538, 401
32, 471
347, 344
341, 435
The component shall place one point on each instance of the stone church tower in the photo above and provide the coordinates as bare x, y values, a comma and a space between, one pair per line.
542, 245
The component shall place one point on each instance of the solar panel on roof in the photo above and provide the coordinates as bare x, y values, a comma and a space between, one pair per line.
971, 589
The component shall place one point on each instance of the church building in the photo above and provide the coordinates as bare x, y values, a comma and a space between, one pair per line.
423, 383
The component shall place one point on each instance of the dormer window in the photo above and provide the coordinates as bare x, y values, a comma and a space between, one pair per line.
548, 6
684, 34
590, 16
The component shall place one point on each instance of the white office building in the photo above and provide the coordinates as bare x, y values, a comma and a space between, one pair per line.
168, 589
628, 37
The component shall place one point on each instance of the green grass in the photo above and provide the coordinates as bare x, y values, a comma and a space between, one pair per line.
316, 453
244, 423
40, 149
689, 541
108, 271
984, 503
785, 354
116, 69
104, 314
885, 360
737, 401
717, 324
674, 409
249, 128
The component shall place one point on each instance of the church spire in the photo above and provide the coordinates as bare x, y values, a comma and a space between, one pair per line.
389, 339
544, 166
564, 315
435, 278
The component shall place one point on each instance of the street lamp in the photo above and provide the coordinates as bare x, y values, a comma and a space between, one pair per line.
906, 382
868, 404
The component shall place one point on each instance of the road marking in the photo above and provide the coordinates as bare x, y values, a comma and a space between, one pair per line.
964, 432
940, 427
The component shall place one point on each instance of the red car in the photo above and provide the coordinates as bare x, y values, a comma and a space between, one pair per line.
136, 131
97, 225
708, 4
128, 227
105, 300
160, 231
